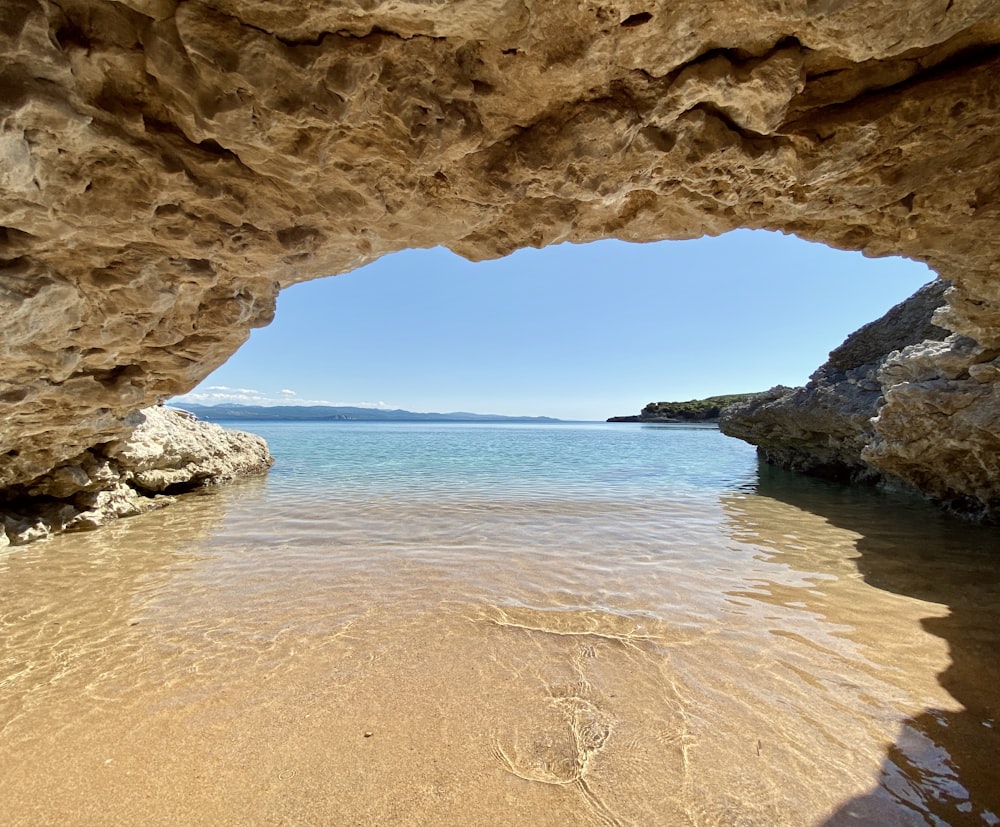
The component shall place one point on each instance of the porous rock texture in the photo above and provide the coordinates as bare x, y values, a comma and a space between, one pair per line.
166, 166
168, 451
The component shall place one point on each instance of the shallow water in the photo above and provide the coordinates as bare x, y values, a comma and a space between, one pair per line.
545, 625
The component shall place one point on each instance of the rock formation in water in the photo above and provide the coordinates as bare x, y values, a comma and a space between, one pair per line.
167, 165
168, 451
900, 401
825, 427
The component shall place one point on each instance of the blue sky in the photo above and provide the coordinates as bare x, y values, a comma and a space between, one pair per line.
571, 331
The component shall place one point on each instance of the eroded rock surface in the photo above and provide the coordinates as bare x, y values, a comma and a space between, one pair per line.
165, 167
168, 451
824, 427
891, 405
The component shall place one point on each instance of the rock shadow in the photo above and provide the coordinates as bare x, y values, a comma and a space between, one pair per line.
944, 766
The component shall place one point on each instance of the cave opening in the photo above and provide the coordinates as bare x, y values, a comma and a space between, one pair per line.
572, 331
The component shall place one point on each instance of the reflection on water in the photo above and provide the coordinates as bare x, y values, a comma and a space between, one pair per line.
764, 650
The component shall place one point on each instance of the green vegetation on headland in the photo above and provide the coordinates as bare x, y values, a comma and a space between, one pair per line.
321, 413
694, 410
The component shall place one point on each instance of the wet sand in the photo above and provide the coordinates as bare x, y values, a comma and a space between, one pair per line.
773, 658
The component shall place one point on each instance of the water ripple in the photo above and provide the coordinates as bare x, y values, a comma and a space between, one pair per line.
494, 625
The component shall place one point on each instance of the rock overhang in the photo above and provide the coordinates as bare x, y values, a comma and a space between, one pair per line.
168, 166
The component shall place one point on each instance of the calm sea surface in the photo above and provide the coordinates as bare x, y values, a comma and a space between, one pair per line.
451, 624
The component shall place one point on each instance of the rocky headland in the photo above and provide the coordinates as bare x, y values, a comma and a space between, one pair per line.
167, 167
858, 418
168, 452
708, 409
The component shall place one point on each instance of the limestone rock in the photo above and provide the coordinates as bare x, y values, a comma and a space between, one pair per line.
102, 507
167, 451
166, 167
172, 449
819, 429
939, 426
899, 401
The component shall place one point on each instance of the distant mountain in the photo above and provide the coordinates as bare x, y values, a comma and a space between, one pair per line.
320, 413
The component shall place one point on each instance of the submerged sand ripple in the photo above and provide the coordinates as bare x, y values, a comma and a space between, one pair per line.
186, 673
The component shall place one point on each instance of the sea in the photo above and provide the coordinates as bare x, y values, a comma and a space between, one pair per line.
506, 624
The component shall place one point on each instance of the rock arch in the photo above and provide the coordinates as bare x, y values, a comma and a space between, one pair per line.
168, 165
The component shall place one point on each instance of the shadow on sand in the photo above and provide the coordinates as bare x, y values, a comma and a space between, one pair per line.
944, 767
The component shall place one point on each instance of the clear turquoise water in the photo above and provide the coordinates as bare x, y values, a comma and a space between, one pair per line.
507, 624
505, 462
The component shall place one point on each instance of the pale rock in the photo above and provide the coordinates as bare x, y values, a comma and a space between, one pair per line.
171, 448
950, 358
106, 506
167, 451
